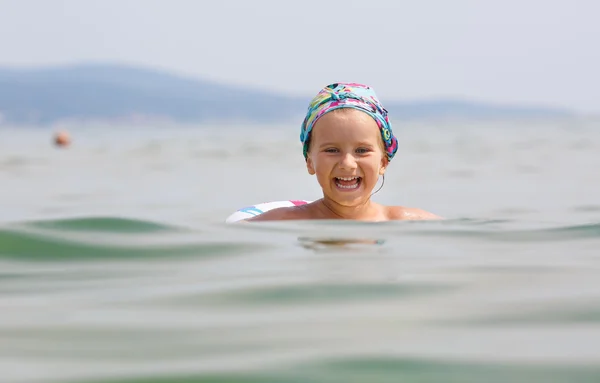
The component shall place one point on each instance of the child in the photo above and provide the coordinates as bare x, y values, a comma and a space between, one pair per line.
348, 143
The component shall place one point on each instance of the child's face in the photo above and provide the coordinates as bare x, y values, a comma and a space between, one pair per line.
346, 154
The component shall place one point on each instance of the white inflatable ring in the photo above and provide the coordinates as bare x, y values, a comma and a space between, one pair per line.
252, 211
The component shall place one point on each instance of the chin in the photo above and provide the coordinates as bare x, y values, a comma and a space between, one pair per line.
348, 201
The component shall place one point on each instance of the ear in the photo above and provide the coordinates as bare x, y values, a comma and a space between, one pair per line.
309, 166
384, 164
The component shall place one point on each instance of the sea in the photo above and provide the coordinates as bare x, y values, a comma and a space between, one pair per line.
116, 264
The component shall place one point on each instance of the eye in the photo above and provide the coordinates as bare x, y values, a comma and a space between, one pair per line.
363, 150
331, 150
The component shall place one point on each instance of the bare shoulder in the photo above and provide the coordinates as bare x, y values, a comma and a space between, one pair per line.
279, 214
410, 213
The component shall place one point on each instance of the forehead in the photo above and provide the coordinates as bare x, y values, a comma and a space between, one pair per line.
346, 124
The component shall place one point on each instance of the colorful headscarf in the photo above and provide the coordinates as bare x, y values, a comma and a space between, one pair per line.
349, 95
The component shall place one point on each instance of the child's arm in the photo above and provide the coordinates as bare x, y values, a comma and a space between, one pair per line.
406, 213
422, 214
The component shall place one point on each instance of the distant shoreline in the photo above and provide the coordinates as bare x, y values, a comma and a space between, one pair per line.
124, 94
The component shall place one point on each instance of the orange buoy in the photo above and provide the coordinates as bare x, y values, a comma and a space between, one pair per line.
62, 138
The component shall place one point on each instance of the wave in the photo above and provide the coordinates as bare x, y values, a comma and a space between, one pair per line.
384, 369
335, 232
114, 237
106, 238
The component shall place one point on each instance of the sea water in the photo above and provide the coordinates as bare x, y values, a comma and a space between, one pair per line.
116, 264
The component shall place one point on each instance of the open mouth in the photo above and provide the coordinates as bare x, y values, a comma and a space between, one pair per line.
348, 183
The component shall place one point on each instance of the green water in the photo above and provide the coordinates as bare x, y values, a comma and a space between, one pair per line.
116, 264
117, 300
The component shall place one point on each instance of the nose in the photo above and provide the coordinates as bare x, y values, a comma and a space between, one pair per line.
347, 161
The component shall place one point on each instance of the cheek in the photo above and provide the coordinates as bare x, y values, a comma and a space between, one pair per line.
321, 160
373, 166
315, 163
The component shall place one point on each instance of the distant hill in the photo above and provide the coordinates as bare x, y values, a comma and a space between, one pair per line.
106, 92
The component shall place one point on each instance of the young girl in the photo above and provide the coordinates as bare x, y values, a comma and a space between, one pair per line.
348, 143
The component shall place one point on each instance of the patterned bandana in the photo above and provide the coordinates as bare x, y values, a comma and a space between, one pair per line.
349, 95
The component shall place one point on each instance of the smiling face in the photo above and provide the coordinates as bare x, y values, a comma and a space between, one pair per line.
347, 156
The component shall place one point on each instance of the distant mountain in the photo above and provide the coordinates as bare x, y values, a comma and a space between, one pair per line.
106, 92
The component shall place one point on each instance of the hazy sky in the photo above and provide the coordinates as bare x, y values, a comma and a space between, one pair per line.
507, 51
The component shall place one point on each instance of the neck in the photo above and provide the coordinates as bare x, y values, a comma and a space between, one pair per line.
364, 210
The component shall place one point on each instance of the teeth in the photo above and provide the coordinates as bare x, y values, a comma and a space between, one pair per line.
353, 186
347, 187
